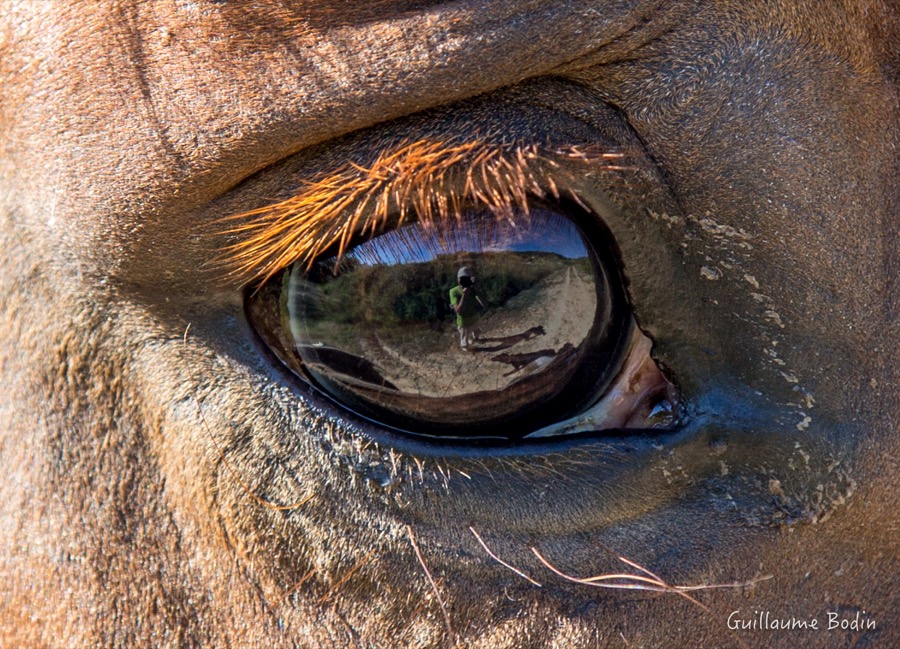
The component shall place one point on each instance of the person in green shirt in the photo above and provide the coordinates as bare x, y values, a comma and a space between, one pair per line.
465, 302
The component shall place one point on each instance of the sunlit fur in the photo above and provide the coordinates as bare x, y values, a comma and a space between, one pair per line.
427, 181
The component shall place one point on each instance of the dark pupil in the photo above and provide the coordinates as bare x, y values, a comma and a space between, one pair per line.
479, 328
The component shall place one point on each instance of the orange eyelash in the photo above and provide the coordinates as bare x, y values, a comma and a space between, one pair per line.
433, 179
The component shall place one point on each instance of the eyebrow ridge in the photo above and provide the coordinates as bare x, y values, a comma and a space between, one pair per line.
431, 181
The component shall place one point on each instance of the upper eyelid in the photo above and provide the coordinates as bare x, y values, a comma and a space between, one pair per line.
433, 178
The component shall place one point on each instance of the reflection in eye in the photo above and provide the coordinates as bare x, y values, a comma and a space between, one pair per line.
483, 327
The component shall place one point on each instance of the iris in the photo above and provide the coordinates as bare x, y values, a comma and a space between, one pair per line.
488, 326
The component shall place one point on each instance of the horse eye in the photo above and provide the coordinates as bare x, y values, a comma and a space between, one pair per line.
489, 326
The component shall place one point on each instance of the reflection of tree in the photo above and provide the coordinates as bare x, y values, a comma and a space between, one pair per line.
381, 295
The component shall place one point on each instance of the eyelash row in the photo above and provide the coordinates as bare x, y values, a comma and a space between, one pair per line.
433, 179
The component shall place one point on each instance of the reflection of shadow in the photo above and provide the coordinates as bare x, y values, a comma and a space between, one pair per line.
533, 385
345, 363
519, 361
505, 342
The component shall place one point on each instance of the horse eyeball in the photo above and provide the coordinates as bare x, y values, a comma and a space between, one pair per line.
489, 326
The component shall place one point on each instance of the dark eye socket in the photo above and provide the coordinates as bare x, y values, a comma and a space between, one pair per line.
491, 325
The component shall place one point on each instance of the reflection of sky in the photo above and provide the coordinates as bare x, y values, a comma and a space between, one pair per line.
570, 247
540, 231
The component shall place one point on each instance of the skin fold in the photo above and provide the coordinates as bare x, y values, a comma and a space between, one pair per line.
167, 482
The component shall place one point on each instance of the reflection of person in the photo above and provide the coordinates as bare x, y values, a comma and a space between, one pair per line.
465, 303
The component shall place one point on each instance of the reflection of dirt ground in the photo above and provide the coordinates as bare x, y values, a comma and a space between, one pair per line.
432, 364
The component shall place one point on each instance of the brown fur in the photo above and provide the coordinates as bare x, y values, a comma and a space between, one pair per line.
756, 226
